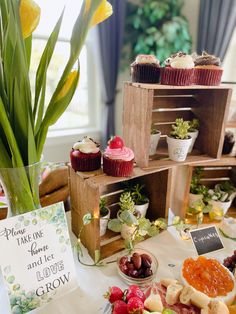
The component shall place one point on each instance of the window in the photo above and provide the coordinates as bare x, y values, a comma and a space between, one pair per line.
78, 114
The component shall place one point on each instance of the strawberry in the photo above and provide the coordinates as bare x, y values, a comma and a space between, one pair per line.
116, 142
135, 291
113, 294
119, 307
135, 306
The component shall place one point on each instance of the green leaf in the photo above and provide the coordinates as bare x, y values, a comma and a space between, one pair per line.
144, 223
127, 217
16, 157
115, 225
97, 256
43, 66
28, 48
53, 113
152, 231
142, 232
161, 223
87, 218
5, 161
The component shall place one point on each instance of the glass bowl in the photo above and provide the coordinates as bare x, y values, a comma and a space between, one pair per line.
142, 278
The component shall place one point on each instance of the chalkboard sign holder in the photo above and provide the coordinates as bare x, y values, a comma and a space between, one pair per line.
206, 240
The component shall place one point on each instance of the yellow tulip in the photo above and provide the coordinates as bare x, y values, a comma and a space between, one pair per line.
103, 11
29, 17
67, 85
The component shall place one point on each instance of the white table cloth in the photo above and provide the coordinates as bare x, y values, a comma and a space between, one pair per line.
93, 282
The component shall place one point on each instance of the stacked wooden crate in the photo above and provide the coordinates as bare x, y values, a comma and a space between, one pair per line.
166, 181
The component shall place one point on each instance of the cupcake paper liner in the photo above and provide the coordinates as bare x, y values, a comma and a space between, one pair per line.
179, 77
145, 73
90, 162
207, 76
117, 168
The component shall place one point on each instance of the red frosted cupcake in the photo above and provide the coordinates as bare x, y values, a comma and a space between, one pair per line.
178, 70
145, 69
85, 155
207, 70
118, 160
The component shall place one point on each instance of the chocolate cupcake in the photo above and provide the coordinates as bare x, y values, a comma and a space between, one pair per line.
178, 70
145, 69
207, 70
85, 155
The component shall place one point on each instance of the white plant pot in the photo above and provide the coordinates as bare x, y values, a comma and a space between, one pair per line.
194, 136
104, 223
194, 198
218, 205
126, 231
141, 209
154, 139
177, 148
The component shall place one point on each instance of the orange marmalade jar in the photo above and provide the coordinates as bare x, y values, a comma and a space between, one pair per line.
207, 276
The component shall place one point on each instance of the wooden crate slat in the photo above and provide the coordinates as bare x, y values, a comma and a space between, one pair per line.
170, 116
174, 87
174, 101
84, 199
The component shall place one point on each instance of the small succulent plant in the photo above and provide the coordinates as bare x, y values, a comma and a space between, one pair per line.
102, 207
180, 129
138, 196
193, 125
153, 129
126, 202
195, 186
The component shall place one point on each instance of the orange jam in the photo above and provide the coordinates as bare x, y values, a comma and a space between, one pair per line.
208, 276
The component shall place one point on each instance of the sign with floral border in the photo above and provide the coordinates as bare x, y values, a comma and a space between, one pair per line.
37, 262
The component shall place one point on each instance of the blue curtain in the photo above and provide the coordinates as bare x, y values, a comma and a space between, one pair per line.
110, 40
217, 21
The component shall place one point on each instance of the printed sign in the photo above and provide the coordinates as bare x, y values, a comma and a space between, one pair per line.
36, 260
206, 240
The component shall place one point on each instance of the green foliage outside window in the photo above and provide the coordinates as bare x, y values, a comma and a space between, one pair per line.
155, 27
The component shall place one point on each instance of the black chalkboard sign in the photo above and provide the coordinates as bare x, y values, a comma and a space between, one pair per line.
206, 240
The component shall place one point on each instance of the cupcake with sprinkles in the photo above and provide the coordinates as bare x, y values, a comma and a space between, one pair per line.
118, 160
85, 155
208, 70
178, 70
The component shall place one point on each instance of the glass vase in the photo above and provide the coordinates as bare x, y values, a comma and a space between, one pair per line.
21, 188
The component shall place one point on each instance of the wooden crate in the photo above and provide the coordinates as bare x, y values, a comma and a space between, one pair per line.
213, 172
86, 190
145, 104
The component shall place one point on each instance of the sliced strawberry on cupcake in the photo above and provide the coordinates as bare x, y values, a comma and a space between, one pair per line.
118, 159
